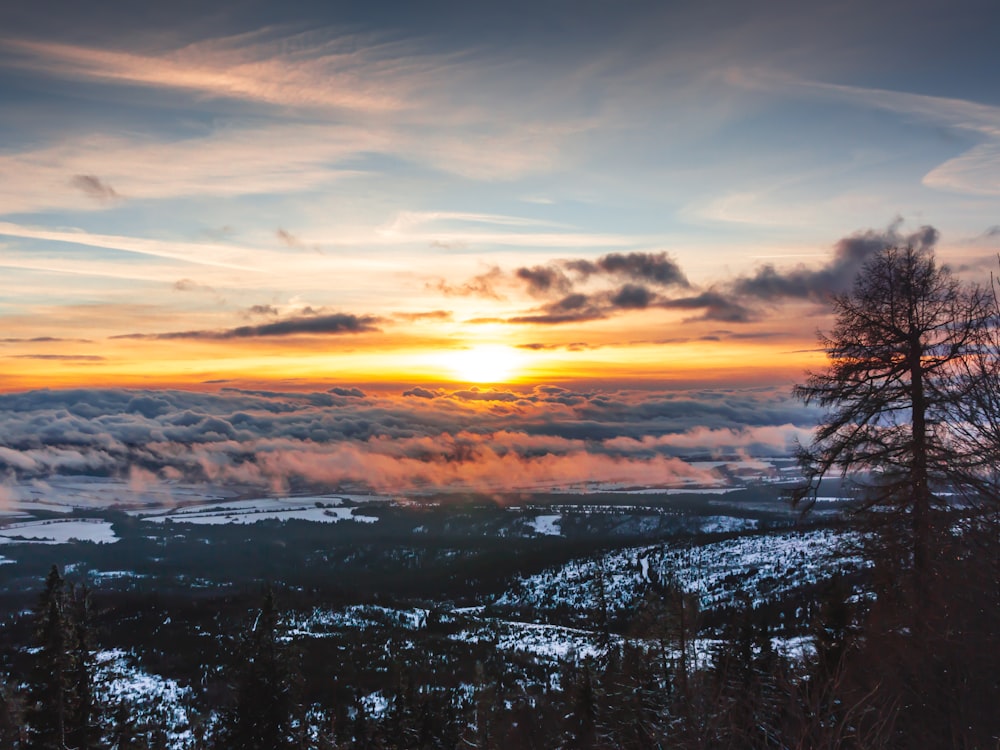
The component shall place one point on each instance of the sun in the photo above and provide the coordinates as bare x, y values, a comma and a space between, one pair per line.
485, 364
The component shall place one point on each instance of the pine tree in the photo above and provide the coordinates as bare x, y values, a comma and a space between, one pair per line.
83, 730
11, 715
50, 692
264, 685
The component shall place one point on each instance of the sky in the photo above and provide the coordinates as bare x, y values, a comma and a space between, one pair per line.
430, 197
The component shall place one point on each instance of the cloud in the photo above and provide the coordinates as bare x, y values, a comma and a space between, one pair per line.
310, 69
482, 285
268, 310
976, 172
207, 254
652, 268
478, 439
94, 188
336, 323
543, 280
632, 297
573, 308
347, 392
43, 340
838, 275
715, 306
419, 392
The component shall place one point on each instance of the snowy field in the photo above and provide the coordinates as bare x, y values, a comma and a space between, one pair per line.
315, 508
59, 531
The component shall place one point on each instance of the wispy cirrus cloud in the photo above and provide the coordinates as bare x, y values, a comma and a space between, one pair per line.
976, 171
311, 69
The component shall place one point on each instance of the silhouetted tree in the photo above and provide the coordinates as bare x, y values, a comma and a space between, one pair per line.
264, 681
890, 386
11, 715
50, 688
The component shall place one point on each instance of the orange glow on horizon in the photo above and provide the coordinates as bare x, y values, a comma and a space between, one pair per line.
176, 364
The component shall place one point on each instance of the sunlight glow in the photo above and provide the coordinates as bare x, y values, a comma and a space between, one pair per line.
485, 364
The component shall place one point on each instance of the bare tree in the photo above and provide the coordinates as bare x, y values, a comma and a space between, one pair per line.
975, 422
890, 387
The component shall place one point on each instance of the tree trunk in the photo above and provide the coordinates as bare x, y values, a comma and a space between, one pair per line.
918, 477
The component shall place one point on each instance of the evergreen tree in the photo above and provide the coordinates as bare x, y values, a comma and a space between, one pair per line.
11, 715
50, 691
264, 714
83, 730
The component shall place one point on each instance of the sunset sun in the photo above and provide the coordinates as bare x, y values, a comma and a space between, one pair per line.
485, 364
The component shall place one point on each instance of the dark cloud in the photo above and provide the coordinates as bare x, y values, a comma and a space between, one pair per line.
44, 340
993, 231
337, 323
838, 275
658, 269
633, 297
573, 308
544, 280
715, 306
347, 392
94, 187
419, 392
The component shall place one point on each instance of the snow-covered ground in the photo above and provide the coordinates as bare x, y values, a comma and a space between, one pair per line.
321, 622
762, 566
549, 642
546, 525
155, 699
316, 515
59, 531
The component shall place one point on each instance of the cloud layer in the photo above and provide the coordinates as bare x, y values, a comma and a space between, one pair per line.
485, 440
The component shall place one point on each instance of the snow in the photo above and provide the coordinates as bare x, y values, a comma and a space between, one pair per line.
550, 642
322, 622
316, 508
59, 531
119, 678
726, 524
547, 525
254, 515
764, 566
